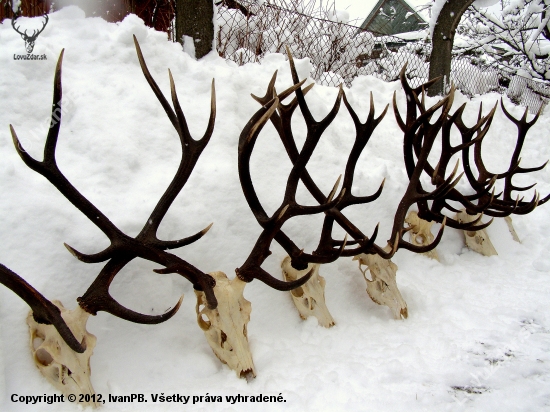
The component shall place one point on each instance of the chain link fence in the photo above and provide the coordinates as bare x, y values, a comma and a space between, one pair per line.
340, 52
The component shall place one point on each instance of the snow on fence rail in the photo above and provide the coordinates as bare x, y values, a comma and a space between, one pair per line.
340, 52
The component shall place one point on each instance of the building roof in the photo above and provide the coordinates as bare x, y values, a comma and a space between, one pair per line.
393, 17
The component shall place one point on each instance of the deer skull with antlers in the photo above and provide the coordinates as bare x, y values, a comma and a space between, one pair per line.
225, 327
62, 363
67, 370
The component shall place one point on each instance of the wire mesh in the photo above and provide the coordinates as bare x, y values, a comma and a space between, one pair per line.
340, 52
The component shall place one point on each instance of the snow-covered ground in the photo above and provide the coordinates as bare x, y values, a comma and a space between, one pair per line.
478, 332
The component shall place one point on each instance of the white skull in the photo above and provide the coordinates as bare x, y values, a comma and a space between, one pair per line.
382, 289
309, 298
421, 233
225, 326
477, 241
66, 369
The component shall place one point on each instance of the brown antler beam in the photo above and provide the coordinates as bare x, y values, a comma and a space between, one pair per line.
43, 310
122, 248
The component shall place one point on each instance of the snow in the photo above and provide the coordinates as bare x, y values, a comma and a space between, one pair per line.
511, 37
485, 3
339, 16
478, 331
189, 46
360, 9
16, 4
435, 10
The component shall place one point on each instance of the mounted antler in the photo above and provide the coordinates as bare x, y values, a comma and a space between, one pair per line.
122, 248
506, 205
484, 200
225, 328
523, 127
289, 208
29, 39
418, 118
43, 310
281, 119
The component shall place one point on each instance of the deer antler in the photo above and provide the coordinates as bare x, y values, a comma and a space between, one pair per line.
43, 310
281, 115
281, 119
414, 141
289, 208
523, 127
122, 248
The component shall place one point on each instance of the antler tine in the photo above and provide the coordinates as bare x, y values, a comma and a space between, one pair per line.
284, 94
183, 133
102, 256
49, 169
43, 310
523, 127
251, 269
412, 101
270, 93
363, 135
425, 86
247, 141
529, 169
543, 200
175, 244
398, 117
308, 117
299, 95
123, 248
97, 297
191, 150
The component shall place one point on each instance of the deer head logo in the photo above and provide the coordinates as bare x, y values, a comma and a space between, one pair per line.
29, 39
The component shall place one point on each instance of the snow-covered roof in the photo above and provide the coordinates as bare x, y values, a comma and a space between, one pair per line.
392, 17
